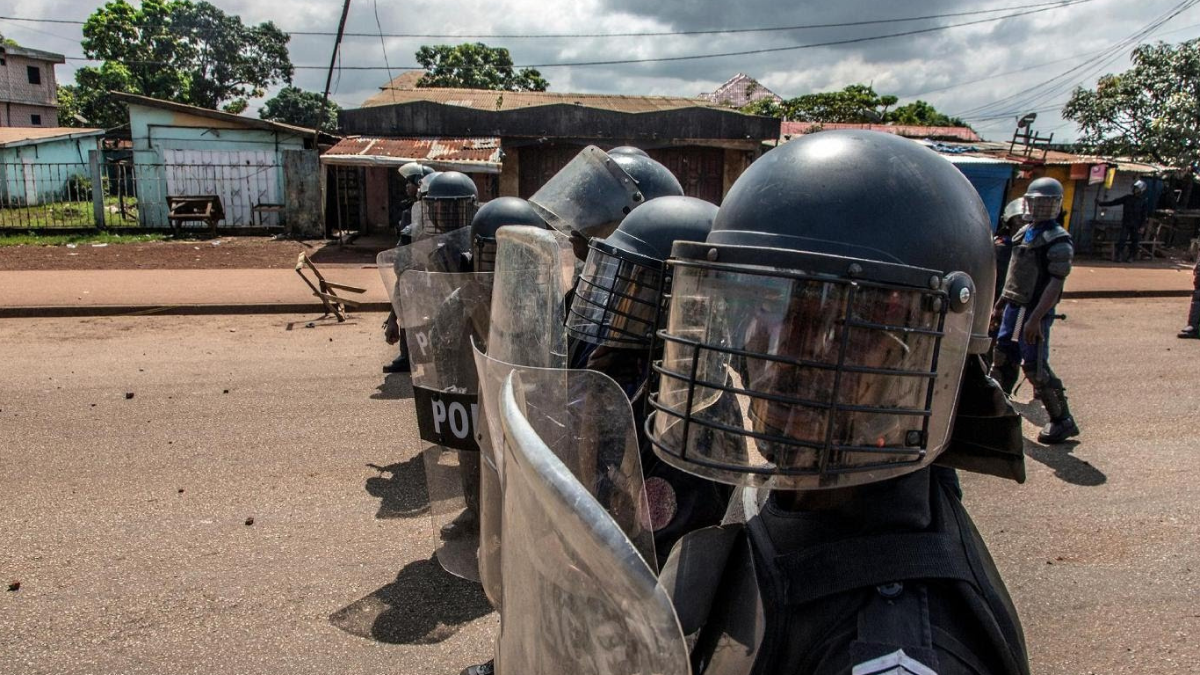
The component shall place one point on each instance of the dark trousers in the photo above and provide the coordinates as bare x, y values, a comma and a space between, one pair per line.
1130, 234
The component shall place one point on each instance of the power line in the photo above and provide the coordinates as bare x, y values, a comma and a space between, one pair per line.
1076, 57
696, 57
1048, 89
721, 31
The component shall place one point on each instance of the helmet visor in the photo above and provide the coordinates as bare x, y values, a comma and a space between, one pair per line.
618, 298
447, 215
1043, 207
483, 254
798, 381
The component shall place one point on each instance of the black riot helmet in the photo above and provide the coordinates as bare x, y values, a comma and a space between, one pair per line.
818, 337
621, 293
1043, 199
491, 216
652, 178
628, 150
450, 202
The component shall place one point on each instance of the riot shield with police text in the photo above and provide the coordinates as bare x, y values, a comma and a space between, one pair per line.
441, 253
443, 314
534, 271
579, 596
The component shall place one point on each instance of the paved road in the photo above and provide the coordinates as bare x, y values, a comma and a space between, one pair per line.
121, 572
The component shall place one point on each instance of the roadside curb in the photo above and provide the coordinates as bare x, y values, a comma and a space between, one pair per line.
1117, 294
78, 311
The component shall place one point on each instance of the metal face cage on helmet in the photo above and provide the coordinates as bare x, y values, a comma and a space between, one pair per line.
449, 203
620, 296
492, 216
798, 370
1044, 199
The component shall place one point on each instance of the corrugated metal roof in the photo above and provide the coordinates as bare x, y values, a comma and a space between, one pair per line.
12, 136
739, 91
483, 99
1001, 149
906, 130
482, 154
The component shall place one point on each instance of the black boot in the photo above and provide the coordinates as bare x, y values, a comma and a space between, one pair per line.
1189, 333
1062, 426
482, 669
398, 365
1005, 371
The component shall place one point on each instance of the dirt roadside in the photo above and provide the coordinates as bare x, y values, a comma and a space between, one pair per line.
223, 253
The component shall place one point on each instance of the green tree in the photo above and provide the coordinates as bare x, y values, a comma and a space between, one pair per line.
855, 104
474, 65
178, 50
7, 42
301, 108
1150, 112
922, 114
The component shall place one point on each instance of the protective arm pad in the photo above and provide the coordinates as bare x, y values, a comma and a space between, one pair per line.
1058, 259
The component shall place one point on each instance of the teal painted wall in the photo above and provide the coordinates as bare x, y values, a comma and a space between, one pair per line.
40, 172
160, 138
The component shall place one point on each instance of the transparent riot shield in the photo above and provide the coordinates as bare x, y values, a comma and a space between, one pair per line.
442, 253
579, 596
443, 314
534, 270
588, 197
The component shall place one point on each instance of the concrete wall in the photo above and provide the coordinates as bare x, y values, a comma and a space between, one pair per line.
21, 115
39, 173
15, 86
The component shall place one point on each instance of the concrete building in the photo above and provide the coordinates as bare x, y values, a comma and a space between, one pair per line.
518, 140
45, 165
28, 90
266, 173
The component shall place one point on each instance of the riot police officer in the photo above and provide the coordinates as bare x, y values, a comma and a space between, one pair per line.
619, 301
489, 219
841, 301
1040, 264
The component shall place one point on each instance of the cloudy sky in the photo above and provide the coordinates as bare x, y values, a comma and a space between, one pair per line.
983, 71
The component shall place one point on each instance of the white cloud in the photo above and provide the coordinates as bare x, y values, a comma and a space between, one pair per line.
904, 65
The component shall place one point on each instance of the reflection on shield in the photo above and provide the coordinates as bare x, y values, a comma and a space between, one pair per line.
441, 253
443, 314
578, 593
534, 269
588, 197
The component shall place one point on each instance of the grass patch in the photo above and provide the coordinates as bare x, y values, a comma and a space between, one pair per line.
34, 239
68, 214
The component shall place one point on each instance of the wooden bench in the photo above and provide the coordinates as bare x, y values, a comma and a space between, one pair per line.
194, 208
258, 209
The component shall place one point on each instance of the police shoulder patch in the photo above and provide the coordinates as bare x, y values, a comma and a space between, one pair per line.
896, 663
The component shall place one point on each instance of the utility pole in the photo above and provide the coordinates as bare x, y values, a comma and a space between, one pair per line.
337, 45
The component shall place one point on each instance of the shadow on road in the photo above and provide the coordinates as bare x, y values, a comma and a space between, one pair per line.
395, 387
401, 489
1067, 467
424, 605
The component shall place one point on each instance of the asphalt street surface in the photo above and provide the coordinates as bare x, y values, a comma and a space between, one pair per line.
258, 504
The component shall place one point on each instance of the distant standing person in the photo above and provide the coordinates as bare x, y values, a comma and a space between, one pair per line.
1041, 261
1133, 217
1012, 220
1192, 330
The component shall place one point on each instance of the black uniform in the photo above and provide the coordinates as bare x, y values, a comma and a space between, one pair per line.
1133, 217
